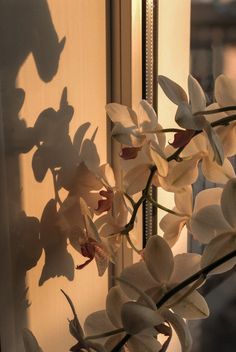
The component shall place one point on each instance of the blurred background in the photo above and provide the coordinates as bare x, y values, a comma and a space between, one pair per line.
213, 52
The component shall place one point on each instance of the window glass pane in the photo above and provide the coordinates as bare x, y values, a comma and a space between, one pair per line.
213, 52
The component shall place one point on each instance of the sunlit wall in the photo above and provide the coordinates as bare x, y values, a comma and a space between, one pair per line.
82, 69
173, 62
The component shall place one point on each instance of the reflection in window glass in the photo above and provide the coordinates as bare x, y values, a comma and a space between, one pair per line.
213, 51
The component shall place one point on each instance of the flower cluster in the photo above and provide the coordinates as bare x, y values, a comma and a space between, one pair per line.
160, 292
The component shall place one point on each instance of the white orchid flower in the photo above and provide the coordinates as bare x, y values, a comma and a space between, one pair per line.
214, 223
143, 144
225, 95
172, 224
180, 174
112, 223
199, 149
86, 240
160, 272
128, 317
136, 177
225, 92
131, 128
187, 115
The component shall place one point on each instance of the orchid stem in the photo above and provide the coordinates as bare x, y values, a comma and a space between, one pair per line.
130, 224
216, 111
130, 199
169, 130
157, 205
224, 121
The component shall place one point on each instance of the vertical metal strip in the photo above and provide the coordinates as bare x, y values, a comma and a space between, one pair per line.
149, 94
149, 51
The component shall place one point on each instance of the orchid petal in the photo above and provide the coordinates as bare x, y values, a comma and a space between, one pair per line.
159, 159
198, 144
216, 173
135, 274
84, 208
136, 179
112, 341
107, 175
225, 89
172, 226
136, 317
218, 248
101, 259
130, 153
120, 209
128, 135
185, 265
182, 138
185, 118
181, 329
97, 323
207, 197
181, 174
192, 307
144, 298
215, 144
172, 90
147, 117
159, 259
161, 136
184, 200
144, 342
95, 346
228, 202
121, 114
196, 95
227, 136
114, 302
207, 223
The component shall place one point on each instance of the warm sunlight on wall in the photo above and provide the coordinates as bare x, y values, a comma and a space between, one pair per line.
173, 61
82, 69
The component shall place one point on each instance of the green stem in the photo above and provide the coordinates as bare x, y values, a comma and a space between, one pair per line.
157, 205
216, 111
169, 130
130, 199
224, 121
130, 224
201, 274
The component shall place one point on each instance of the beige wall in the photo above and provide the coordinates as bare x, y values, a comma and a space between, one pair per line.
173, 62
83, 70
